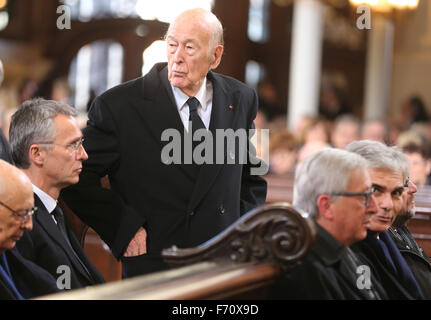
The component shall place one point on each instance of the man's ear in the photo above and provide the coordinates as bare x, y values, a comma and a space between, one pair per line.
324, 205
428, 166
216, 57
36, 154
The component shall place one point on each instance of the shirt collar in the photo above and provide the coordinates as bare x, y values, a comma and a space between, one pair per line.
46, 199
181, 98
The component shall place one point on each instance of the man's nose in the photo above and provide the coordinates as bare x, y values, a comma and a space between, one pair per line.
81, 153
27, 224
385, 202
178, 55
412, 187
372, 207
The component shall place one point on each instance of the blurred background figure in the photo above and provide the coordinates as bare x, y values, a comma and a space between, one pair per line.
315, 129
268, 100
283, 153
333, 97
414, 110
4, 144
346, 130
375, 130
311, 148
28, 89
61, 91
417, 150
419, 163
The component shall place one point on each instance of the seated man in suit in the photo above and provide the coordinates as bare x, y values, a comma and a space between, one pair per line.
416, 258
19, 278
387, 177
46, 145
333, 186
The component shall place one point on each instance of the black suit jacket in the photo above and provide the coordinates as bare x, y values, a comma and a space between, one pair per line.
371, 254
46, 246
176, 207
29, 279
325, 274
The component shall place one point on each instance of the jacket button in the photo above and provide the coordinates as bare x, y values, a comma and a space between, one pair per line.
222, 210
192, 213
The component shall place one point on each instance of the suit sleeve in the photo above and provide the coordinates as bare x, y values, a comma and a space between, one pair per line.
101, 208
253, 187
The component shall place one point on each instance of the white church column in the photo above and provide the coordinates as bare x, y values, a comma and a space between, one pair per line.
305, 60
378, 67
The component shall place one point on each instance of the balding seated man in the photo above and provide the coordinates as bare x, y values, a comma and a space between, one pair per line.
333, 186
19, 278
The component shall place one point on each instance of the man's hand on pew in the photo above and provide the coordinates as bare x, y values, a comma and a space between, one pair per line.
138, 245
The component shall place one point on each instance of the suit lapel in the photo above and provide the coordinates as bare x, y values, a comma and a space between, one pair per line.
45, 220
159, 111
221, 118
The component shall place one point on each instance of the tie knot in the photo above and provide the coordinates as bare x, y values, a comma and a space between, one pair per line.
57, 212
193, 104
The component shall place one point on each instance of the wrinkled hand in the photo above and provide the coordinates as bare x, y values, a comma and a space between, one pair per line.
138, 245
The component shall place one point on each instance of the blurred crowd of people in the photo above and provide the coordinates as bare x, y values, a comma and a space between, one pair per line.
411, 131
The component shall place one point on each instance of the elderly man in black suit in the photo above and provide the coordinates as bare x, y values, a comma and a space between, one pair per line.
19, 277
155, 203
46, 144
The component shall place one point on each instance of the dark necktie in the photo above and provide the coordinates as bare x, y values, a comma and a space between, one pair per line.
194, 116
195, 120
59, 217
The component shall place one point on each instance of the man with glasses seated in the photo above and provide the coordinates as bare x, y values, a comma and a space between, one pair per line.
19, 277
46, 145
384, 168
334, 187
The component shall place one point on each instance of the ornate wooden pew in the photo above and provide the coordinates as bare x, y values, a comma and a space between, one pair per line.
239, 263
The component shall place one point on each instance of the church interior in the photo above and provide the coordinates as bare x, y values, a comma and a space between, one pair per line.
313, 63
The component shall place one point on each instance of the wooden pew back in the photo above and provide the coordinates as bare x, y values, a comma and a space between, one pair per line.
239, 263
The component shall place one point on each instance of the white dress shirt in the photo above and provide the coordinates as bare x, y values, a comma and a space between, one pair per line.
205, 97
46, 199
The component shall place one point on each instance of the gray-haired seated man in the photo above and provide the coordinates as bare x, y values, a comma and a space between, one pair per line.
416, 258
46, 144
334, 187
385, 170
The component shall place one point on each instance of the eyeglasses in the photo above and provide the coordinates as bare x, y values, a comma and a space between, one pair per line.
74, 146
367, 195
23, 213
407, 182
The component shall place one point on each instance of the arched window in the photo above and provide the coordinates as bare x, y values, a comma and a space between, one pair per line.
258, 17
254, 73
162, 10
97, 67
156, 52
